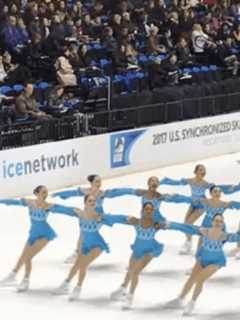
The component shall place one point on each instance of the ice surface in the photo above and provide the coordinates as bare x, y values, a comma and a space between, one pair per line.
161, 281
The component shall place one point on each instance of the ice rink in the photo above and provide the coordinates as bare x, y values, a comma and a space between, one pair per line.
162, 280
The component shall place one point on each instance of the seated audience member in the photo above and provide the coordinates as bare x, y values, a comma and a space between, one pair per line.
65, 72
55, 99
3, 74
153, 42
226, 56
26, 106
10, 33
184, 54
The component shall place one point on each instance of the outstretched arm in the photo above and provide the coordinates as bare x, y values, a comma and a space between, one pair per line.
13, 202
69, 211
176, 198
234, 205
183, 227
173, 182
118, 192
233, 237
111, 219
69, 193
227, 189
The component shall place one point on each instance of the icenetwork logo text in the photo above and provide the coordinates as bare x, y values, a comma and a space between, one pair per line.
41, 164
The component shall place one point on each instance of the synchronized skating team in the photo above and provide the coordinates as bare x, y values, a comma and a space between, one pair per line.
212, 233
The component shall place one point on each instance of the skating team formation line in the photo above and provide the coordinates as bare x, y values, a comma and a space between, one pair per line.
212, 233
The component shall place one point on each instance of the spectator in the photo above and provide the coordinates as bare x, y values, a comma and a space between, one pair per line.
199, 39
153, 42
23, 36
64, 72
227, 58
10, 34
55, 97
110, 43
26, 106
170, 69
236, 36
16, 73
3, 74
184, 53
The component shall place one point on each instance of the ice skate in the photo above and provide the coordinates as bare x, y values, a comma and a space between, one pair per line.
175, 304
127, 302
23, 286
188, 311
118, 294
75, 294
62, 289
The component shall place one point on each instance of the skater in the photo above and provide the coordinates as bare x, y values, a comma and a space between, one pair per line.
198, 186
92, 244
40, 233
144, 249
210, 258
95, 190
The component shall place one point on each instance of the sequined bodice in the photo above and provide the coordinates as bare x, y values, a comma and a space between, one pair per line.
89, 225
145, 233
212, 245
211, 212
37, 214
198, 192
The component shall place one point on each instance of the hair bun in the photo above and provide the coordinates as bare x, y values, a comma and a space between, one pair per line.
37, 189
91, 177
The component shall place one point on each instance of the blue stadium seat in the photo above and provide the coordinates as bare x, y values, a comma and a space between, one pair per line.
5, 90
18, 88
43, 85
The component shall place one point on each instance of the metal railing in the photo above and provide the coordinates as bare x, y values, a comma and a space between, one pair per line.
30, 133
159, 113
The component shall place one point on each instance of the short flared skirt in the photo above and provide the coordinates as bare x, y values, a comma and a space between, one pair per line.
92, 240
207, 258
40, 230
142, 248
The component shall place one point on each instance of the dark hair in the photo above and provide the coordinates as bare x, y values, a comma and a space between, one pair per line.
148, 203
87, 196
37, 189
198, 167
217, 214
212, 188
92, 177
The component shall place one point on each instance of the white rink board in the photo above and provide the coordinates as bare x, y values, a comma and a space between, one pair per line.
66, 163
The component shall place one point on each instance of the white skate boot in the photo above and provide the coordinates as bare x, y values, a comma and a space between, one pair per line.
118, 294
186, 248
176, 303
75, 294
23, 286
188, 311
62, 289
127, 301
9, 280
71, 259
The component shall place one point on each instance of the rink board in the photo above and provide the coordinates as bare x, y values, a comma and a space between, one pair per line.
66, 163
